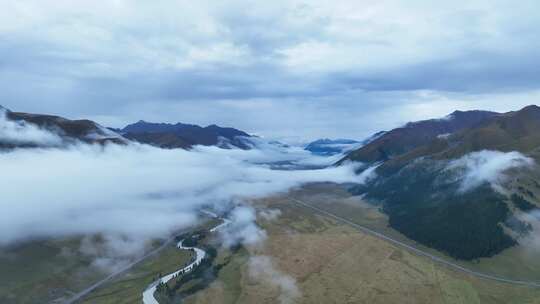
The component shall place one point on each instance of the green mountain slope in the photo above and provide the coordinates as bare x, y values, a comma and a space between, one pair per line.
424, 199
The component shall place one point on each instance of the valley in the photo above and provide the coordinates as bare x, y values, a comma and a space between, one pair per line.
324, 248
269, 152
334, 263
437, 220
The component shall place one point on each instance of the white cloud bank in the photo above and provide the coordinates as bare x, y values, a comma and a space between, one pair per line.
290, 156
487, 166
369, 174
269, 214
20, 132
135, 192
242, 228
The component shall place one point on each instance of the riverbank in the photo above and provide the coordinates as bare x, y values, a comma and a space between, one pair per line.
148, 294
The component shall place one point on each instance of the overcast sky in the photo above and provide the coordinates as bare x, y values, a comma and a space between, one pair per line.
286, 69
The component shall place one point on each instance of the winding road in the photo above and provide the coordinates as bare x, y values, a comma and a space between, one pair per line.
417, 251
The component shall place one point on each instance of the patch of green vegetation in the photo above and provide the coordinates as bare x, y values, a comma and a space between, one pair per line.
297, 219
129, 287
203, 275
518, 226
191, 240
459, 291
526, 191
231, 276
43, 270
424, 202
521, 203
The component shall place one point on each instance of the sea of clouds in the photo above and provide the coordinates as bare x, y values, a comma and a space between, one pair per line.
135, 190
131, 194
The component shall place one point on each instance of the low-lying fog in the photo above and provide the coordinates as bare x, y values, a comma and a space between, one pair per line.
131, 194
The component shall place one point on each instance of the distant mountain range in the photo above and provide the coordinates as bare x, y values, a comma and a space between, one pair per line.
414, 134
329, 147
35, 126
185, 135
413, 173
68, 131
419, 187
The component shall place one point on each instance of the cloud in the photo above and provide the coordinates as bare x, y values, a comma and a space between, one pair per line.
368, 174
532, 240
111, 252
23, 133
132, 194
269, 214
285, 156
242, 229
261, 268
350, 69
487, 167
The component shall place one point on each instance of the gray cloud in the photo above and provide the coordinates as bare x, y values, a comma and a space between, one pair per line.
532, 240
20, 132
121, 197
487, 167
261, 268
474, 72
269, 214
242, 229
333, 64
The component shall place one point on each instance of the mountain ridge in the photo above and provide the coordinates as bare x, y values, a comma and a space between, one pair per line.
185, 136
163, 135
70, 131
420, 190
414, 134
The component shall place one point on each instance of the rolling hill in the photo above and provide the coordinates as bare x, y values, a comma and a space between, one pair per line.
28, 130
185, 135
37, 130
426, 187
415, 134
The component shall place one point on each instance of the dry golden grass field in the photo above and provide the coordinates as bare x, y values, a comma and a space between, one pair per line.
334, 263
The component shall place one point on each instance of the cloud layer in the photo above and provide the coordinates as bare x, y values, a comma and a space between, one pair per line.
349, 68
133, 192
22, 133
487, 167
242, 229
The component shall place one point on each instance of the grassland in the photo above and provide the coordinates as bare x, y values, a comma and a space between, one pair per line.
40, 271
519, 262
333, 263
45, 271
50, 271
330, 262
129, 287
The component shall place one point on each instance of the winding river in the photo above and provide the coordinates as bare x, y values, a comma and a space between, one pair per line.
148, 294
